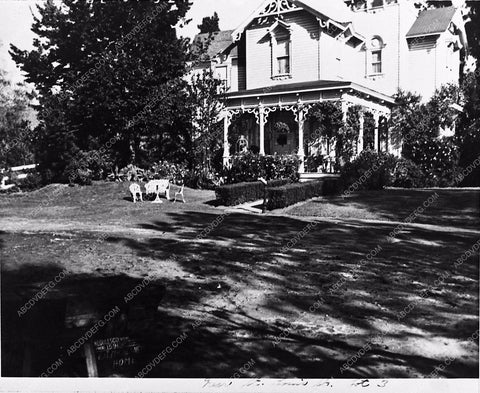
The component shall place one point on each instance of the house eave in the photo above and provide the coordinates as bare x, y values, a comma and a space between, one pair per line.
340, 86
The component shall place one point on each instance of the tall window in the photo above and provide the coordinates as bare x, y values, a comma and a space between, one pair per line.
376, 56
282, 53
222, 75
281, 45
376, 62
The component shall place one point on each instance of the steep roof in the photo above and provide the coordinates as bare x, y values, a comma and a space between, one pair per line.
432, 21
335, 9
219, 41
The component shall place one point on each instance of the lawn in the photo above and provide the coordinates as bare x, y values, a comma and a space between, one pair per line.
241, 287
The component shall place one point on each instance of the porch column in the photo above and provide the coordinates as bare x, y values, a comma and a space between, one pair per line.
226, 146
262, 116
376, 117
301, 133
361, 121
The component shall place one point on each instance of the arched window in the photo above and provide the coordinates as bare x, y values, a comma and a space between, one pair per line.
375, 54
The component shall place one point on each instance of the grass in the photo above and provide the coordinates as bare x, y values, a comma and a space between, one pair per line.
227, 281
456, 208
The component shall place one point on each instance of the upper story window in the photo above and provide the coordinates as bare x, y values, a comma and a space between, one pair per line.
281, 45
283, 57
376, 62
222, 75
375, 53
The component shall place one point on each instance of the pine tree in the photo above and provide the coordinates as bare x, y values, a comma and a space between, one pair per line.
109, 79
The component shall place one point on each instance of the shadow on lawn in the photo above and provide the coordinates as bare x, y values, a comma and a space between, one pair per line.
453, 207
244, 253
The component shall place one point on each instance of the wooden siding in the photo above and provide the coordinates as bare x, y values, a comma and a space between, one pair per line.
304, 52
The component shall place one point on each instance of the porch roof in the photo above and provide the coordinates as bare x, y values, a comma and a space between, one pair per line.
302, 87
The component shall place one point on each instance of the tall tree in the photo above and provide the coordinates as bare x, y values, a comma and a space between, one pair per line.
205, 104
468, 135
210, 24
107, 74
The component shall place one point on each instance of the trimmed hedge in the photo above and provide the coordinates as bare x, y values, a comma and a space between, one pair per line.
236, 194
291, 194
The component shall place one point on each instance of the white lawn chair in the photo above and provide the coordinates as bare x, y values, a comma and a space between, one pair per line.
136, 191
4, 186
158, 187
180, 193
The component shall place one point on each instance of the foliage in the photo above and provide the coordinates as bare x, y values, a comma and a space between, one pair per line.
407, 174
472, 28
281, 128
369, 171
202, 179
32, 182
348, 136
99, 79
468, 135
327, 122
16, 136
313, 162
326, 118
417, 125
166, 170
280, 197
209, 24
236, 194
205, 108
249, 167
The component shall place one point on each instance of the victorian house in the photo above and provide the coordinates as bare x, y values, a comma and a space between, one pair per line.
291, 54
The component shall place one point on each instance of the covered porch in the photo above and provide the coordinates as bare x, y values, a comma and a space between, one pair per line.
277, 120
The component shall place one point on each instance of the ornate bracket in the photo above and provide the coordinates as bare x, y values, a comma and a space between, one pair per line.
299, 109
277, 7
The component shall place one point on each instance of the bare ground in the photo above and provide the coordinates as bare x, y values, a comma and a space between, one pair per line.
235, 291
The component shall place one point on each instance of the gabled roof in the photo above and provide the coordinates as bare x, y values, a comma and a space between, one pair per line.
432, 21
335, 10
217, 43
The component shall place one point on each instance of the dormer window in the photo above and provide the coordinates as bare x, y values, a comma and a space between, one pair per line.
283, 57
281, 44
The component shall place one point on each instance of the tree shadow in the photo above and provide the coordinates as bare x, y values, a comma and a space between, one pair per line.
459, 208
243, 253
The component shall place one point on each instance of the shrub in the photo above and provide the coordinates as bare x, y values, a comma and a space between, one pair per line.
290, 194
166, 170
369, 171
407, 174
249, 167
236, 194
201, 179
31, 182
